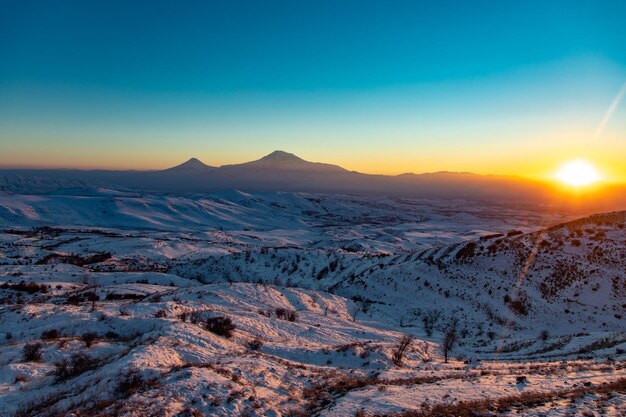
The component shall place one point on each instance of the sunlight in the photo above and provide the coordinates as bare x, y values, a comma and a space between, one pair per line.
577, 173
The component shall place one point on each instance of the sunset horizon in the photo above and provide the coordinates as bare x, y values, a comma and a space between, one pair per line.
549, 175
530, 90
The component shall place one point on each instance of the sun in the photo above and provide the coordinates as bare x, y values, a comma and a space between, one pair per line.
577, 173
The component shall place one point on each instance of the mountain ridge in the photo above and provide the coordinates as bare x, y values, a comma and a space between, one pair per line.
284, 171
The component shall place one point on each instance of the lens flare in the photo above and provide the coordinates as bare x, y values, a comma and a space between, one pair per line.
577, 173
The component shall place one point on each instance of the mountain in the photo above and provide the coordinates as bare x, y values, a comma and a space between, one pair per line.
283, 171
192, 165
285, 161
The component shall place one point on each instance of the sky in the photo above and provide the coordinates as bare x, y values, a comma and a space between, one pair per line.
387, 87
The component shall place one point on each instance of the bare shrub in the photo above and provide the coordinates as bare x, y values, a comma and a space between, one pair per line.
114, 296
30, 287
222, 326
77, 364
488, 406
519, 305
111, 335
286, 314
255, 344
74, 299
50, 334
400, 349
32, 352
190, 412
321, 394
130, 383
89, 338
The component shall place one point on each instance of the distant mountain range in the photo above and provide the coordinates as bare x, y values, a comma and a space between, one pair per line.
283, 171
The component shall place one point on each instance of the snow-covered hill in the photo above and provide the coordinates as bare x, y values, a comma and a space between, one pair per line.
232, 303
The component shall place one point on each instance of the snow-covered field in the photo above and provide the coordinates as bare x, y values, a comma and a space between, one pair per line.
294, 304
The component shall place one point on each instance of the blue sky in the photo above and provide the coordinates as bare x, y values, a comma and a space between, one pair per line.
375, 86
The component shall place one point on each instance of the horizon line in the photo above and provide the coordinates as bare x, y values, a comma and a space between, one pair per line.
532, 178
191, 158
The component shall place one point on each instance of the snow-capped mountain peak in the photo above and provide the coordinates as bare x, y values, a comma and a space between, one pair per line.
281, 160
192, 164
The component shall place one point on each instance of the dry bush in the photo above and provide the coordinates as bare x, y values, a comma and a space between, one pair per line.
400, 349
322, 394
520, 402
190, 412
77, 364
32, 352
111, 335
89, 338
30, 287
220, 325
50, 334
519, 306
286, 314
132, 381
255, 344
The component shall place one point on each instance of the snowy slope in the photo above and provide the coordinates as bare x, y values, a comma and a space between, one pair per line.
320, 289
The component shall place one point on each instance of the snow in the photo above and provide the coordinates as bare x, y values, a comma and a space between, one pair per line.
327, 283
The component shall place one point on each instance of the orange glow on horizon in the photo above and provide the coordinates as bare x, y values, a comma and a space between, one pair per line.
534, 164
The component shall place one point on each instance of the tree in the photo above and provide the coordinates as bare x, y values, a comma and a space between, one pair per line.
93, 297
448, 342
400, 350
430, 319
89, 338
91, 282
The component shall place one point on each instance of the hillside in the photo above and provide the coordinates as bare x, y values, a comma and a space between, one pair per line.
122, 304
